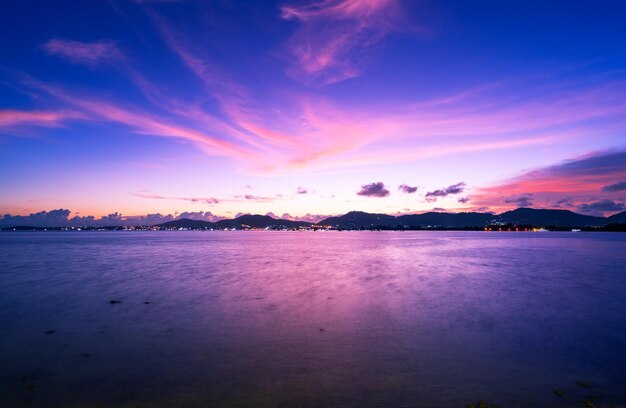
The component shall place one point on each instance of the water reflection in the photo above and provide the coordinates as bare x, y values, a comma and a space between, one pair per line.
346, 319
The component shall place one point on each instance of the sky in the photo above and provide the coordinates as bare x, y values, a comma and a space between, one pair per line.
148, 110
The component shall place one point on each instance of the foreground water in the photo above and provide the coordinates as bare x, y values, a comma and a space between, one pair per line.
303, 319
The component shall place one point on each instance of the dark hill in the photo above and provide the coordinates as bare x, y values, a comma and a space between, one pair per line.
617, 218
360, 219
446, 220
259, 221
186, 223
557, 218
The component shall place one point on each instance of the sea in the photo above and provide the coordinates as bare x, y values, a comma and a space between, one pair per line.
312, 319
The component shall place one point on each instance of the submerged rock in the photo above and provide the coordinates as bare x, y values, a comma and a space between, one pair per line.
50, 331
588, 403
113, 302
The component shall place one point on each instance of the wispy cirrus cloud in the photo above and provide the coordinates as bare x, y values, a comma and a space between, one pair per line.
203, 200
257, 198
237, 198
88, 53
376, 189
11, 118
334, 37
307, 133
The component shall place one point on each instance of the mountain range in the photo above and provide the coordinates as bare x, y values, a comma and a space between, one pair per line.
363, 220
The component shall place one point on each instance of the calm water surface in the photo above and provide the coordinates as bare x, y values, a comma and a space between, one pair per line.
303, 319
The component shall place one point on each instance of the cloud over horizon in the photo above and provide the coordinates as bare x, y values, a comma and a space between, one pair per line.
523, 200
186, 103
373, 190
591, 183
457, 188
599, 208
611, 188
407, 189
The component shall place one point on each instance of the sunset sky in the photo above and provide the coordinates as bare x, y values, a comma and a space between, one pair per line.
149, 109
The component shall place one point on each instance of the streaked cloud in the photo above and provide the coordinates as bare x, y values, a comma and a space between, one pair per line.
11, 118
88, 53
203, 200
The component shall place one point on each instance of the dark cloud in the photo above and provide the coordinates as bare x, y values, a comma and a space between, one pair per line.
40, 219
483, 209
439, 209
621, 186
597, 163
302, 190
453, 189
463, 200
149, 219
373, 190
563, 202
578, 178
407, 189
601, 207
522, 200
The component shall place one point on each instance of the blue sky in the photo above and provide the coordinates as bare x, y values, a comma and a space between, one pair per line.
216, 108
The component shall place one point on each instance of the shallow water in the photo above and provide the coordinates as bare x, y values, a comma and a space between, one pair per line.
311, 319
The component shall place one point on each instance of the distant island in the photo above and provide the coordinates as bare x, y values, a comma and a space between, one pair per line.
521, 219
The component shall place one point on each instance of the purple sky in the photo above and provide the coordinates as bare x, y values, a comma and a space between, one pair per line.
152, 109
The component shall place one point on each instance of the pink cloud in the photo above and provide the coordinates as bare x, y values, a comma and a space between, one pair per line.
148, 124
88, 53
577, 184
314, 218
334, 37
202, 200
11, 118
306, 133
